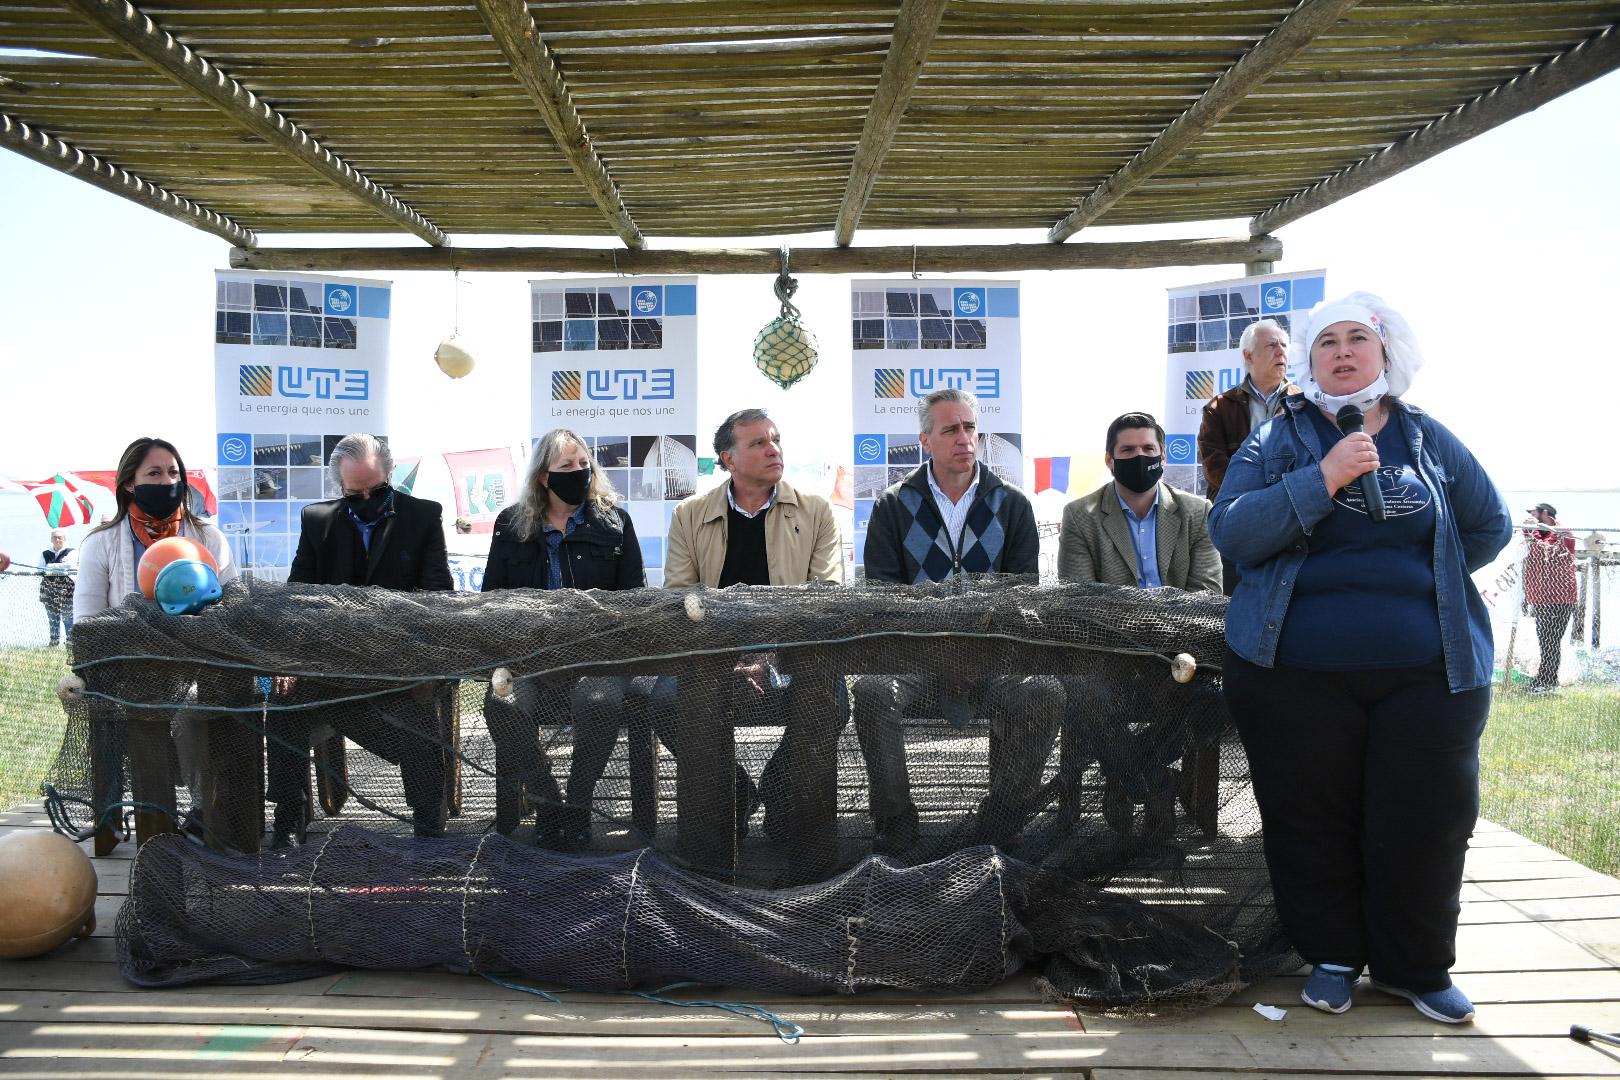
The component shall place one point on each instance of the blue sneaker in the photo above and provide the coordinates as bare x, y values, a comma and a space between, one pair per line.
1449, 1006
1329, 987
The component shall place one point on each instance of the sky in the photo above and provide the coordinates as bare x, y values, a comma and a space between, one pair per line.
1504, 255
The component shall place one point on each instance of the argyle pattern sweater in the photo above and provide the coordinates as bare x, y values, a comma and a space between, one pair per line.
906, 540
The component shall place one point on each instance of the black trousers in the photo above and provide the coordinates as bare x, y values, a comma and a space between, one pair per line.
1368, 785
1551, 622
401, 728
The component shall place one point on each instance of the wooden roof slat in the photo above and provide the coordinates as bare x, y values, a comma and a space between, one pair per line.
536, 70
1298, 30
1591, 59
914, 30
64, 157
163, 51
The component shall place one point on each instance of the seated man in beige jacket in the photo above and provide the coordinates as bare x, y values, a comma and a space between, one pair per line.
1134, 530
755, 529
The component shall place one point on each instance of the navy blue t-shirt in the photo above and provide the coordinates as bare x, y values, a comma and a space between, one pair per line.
1364, 597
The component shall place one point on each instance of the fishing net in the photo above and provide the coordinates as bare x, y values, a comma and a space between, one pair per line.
813, 788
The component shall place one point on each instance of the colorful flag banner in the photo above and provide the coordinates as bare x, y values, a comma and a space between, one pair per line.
484, 481
1051, 473
60, 501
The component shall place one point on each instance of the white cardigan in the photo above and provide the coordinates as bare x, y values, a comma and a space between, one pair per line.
108, 559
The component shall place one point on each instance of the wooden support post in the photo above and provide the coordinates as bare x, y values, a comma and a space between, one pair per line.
48, 150
1277, 48
165, 53
532, 62
914, 30
705, 767
987, 258
1591, 59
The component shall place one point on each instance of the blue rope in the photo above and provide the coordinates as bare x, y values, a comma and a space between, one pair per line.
498, 981
786, 1030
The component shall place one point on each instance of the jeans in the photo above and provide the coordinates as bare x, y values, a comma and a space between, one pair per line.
1368, 785
595, 708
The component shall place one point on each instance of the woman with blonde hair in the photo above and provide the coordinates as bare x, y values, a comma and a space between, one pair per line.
566, 532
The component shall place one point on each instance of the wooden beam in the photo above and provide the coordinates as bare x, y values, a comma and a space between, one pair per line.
1277, 48
914, 30
1589, 60
164, 52
46, 149
536, 69
835, 260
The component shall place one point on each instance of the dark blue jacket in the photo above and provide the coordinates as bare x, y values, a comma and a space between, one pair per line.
1274, 496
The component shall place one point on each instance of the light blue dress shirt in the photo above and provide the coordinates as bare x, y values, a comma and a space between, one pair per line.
1145, 538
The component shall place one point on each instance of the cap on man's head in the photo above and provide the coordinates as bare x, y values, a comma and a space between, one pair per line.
1547, 508
464, 524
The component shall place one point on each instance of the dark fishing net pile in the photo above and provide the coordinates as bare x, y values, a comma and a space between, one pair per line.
813, 789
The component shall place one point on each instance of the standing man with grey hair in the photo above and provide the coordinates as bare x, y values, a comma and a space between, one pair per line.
383, 538
954, 516
1228, 418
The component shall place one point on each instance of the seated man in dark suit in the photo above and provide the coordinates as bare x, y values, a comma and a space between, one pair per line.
382, 538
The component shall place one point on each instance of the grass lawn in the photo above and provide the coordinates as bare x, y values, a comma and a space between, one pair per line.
31, 720
1548, 770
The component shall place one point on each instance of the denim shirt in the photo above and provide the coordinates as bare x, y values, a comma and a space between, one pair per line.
1274, 496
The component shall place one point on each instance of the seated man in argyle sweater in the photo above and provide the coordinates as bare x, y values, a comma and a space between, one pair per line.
954, 516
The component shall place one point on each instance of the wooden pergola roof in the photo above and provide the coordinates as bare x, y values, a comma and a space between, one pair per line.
648, 118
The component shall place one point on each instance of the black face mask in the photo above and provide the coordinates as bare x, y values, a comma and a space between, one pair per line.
1139, 473
159, 500
569, 487
369, 508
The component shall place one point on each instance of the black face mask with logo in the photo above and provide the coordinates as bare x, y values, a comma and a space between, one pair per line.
370, 507
569, 487
1139, 473
158, 500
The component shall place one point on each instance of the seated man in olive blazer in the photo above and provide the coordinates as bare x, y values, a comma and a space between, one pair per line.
1135, 530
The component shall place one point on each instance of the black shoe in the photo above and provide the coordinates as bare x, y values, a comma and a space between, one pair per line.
428, 822
747, 801
287, 830
563, 828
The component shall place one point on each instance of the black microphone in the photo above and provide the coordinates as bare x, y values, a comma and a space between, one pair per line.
1351, 421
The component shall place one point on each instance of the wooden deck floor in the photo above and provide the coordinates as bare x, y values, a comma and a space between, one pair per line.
1538, 951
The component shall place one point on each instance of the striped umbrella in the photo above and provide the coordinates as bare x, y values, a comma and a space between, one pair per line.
61, 502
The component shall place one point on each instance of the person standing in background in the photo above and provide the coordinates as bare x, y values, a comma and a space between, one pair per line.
1549, 589
58, 564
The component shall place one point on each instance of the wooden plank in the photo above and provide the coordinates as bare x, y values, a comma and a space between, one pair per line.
873, 260
1292, 35
160, 49
915, 25
535, 68
1589, 60
580, 1014
64, 157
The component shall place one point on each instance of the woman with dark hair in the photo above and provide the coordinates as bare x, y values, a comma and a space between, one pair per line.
153, 504
566, 532
1359, 657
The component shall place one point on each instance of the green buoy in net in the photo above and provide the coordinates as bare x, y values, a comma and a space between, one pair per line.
786, 351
